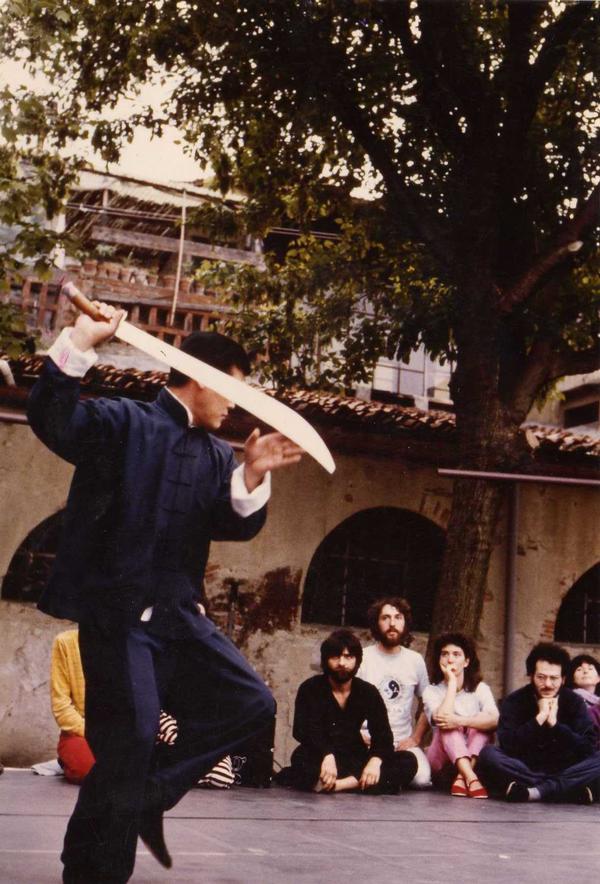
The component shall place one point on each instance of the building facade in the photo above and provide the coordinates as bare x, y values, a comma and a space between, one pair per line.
331, 545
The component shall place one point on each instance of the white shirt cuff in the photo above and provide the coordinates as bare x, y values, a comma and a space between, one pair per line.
245, 502
68, 358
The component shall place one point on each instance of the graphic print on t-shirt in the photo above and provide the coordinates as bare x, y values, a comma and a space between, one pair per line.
389, 688
394, 692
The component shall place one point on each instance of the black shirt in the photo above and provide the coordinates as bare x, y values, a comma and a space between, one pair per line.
323, 727
541, 747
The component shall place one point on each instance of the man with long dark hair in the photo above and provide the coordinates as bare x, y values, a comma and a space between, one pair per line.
330, 709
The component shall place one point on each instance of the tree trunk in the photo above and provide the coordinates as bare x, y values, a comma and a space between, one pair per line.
459, 601
489, 439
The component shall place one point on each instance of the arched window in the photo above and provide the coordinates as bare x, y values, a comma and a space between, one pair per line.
377, 552
579, 615
30, 566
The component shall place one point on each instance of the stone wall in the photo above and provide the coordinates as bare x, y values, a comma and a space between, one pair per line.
558, 542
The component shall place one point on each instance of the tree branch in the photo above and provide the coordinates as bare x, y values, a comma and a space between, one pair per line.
416, 210
547, 361
344, 102
532, 377
557, 37
526, 82
515, 70
433, 95
566, 242
570, 362
443, 34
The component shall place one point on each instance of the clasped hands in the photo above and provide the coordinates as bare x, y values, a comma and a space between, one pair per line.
548, 711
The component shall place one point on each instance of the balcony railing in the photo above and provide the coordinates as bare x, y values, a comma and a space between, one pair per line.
147, 307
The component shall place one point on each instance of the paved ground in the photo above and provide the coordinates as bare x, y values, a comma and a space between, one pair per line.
273, 836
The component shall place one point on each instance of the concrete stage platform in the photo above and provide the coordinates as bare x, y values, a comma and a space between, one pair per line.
275, 836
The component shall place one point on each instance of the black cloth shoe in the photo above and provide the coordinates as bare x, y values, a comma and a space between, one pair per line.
151, 833
582, 795
516, 792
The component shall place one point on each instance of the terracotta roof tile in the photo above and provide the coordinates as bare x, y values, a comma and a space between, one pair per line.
341, 412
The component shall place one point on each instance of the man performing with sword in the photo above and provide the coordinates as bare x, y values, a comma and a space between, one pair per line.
151, 488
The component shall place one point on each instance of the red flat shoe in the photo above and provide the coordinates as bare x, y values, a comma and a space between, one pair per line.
459, 788
476, 791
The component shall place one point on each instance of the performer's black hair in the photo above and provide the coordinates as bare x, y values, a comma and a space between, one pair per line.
215, 349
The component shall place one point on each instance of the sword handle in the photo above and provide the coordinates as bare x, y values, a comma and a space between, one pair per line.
79, 300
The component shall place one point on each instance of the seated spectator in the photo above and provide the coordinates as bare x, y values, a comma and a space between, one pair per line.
330, 709
547, 745
584, 679
400, 675
463, 713
67, 694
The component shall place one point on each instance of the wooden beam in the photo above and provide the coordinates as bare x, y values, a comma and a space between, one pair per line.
154, 243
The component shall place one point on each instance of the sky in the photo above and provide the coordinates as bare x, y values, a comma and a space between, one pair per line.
157, 159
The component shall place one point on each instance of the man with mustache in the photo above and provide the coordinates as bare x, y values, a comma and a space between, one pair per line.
330, 709
399, 674
546, 739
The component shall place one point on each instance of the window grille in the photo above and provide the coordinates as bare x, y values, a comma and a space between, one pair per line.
377, 552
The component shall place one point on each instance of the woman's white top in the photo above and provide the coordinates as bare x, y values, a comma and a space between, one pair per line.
466, 703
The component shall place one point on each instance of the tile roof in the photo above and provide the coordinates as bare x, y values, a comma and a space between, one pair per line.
345, 416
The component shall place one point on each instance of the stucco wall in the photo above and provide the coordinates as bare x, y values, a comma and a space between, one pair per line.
558, 542
27, 729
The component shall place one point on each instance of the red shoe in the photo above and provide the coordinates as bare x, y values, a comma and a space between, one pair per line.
459, 788
476, 790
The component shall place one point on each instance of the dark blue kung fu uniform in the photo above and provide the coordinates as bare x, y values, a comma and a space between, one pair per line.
148, 495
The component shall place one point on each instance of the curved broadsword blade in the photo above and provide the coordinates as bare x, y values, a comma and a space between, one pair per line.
265, 408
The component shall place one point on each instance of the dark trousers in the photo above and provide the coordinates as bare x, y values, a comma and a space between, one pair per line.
130, 675
497, 770
396, 771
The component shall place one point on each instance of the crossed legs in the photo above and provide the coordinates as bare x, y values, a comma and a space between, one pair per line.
499, 769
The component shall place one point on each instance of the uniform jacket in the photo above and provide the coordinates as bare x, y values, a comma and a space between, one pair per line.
148, 495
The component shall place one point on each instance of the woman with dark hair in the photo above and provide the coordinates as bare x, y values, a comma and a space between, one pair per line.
462, 712
583, 676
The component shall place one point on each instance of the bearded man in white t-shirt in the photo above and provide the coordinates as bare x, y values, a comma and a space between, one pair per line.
400, 675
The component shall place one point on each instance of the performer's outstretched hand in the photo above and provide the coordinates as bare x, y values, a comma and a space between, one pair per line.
264, 453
